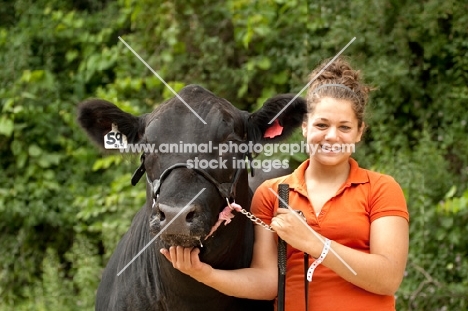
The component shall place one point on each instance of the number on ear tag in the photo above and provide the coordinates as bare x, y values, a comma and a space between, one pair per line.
114, 139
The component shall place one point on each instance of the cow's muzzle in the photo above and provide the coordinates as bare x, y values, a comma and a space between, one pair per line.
176, 228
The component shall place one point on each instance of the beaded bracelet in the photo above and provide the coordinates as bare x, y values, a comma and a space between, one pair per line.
318, 261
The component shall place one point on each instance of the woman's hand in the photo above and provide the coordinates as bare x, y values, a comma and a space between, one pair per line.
259, 281
187, 261
292, 230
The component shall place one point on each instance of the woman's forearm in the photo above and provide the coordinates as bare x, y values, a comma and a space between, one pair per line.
244, 283
374, 273
382, 270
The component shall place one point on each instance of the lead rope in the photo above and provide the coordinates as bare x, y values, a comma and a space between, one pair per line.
306, 281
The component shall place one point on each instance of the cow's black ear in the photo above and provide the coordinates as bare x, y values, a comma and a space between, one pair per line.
96, 117
277, 118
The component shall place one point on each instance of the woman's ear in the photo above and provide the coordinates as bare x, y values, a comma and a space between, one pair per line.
361, 132
304, 128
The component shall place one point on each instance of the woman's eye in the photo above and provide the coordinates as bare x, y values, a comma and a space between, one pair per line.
321, 125
345, 128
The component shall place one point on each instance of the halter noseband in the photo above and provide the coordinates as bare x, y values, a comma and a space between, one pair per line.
226, 190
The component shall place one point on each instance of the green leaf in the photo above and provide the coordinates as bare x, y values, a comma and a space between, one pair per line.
6, 126
281, 78
264, 63
34, 150
451, 192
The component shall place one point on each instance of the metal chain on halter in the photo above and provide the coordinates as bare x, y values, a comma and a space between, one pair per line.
256, 220
250, 216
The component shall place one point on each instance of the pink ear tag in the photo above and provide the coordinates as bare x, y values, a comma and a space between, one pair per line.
274, 130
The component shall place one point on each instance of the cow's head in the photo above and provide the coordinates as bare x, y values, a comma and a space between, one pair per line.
176, 177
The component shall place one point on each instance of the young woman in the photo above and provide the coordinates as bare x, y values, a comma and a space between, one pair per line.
358, 219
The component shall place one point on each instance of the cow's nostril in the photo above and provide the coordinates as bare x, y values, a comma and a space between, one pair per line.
190, 216
162, 216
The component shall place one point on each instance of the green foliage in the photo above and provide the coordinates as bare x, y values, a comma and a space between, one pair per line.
437, 268
53, 56
63, 206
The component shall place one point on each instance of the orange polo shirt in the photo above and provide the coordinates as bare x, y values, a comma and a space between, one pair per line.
345, 219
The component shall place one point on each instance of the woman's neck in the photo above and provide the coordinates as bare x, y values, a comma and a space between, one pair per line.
325, 174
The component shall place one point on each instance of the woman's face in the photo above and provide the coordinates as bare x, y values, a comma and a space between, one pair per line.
331, 131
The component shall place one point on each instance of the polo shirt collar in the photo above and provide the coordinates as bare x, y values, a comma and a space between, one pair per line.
296, 180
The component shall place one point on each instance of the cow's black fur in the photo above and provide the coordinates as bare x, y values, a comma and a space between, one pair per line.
151, 283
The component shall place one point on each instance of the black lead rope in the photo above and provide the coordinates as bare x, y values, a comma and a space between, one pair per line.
306, 282
283, 192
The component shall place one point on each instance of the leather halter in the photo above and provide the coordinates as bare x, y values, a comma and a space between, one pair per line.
226, 190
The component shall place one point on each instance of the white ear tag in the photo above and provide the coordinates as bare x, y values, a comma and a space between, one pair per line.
114, 139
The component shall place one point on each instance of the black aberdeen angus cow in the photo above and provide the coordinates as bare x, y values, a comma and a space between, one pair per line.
150, 282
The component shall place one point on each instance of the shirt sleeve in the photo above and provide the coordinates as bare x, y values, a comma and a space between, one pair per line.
387, 199
263, 202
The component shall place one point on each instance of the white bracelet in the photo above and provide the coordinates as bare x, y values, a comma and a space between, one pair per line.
326, 248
